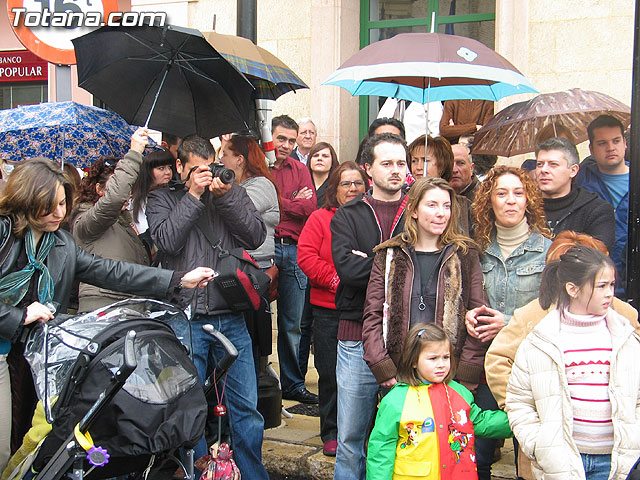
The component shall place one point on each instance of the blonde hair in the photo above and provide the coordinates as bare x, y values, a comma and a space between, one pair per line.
450, 234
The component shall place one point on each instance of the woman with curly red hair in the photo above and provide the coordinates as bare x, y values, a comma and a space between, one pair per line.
511, 231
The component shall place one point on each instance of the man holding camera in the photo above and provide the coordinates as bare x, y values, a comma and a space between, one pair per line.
178, 217
298, 200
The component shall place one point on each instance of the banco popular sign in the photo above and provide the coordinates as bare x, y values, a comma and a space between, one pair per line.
22, 67
46, 27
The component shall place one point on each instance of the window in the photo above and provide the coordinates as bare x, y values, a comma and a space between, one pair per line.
15, 94
382, 19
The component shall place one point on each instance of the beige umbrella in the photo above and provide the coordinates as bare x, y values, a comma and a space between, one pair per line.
513, 130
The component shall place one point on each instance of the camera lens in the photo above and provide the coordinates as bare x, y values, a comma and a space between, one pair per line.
227, 176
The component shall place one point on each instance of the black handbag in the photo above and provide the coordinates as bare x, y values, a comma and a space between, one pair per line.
239, 279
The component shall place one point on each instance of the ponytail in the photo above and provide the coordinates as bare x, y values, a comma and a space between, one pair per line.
550, 288
579, 265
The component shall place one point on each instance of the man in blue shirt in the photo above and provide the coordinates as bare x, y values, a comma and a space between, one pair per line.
606, 173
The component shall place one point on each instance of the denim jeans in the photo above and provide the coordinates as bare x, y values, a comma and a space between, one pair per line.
306, 329
485, 447
291, 288
5, 414
357, 399
325, 339
241, 390
596, 467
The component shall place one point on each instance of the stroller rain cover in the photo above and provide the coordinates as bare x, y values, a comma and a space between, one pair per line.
161, 406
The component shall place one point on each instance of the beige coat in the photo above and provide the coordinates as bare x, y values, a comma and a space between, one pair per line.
499, 357
106, 230
539, 406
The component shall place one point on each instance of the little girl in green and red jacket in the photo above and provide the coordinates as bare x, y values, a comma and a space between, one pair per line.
426, 425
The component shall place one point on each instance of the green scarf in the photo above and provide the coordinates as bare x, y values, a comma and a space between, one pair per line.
14, 287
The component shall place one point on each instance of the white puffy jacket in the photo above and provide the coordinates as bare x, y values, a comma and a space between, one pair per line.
539, 406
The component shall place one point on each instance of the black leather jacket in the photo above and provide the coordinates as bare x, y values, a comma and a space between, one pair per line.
67, 261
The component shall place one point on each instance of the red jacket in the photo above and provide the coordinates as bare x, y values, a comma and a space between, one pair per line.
316, 260
291, 176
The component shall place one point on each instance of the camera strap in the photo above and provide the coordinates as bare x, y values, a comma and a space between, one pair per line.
205, 227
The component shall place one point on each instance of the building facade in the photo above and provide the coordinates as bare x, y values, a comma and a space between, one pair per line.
584, 44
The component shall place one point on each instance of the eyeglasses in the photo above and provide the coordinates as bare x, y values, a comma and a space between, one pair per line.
347, 184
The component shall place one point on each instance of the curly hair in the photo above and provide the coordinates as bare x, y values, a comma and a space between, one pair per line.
482, 208
450, 234
99, 172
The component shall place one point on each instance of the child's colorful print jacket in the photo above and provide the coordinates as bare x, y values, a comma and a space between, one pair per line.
414, 436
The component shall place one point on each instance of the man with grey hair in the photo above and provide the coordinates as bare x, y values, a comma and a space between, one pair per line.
567, 206
463, 180
306, 139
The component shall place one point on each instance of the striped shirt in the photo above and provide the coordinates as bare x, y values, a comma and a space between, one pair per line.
586, 348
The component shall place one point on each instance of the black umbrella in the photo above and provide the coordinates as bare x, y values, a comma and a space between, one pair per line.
168, 78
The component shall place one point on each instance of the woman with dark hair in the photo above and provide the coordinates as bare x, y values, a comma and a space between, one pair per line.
346, 183
243, 155
322, 160
40, 262
511, 231
101, 223
157, 169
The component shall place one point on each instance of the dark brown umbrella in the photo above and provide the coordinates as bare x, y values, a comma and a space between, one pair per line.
513, 130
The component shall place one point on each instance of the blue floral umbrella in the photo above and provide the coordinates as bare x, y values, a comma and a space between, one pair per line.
64, 132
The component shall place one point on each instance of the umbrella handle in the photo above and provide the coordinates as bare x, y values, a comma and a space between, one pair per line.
155, 99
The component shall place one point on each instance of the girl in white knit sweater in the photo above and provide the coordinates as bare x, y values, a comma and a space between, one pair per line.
573, 394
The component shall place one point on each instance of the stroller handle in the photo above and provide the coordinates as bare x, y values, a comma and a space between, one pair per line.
117, 381
223, 366
130, 361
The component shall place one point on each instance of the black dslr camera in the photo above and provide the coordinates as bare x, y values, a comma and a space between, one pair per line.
225, 174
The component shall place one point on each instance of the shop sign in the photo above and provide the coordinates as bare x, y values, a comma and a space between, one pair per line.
46, 27
22, 66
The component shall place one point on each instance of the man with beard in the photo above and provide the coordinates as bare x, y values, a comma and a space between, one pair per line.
356, 228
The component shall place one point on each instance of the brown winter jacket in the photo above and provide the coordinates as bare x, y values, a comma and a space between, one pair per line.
459, 290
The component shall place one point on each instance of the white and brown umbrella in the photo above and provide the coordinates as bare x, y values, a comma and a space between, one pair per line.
513, 130
424, 67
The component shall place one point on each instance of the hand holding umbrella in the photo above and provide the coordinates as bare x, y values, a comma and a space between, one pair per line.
140, 139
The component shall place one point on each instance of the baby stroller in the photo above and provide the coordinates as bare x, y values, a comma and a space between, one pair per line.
120, 393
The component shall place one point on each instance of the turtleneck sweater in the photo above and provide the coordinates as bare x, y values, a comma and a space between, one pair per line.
509, 238
585, 341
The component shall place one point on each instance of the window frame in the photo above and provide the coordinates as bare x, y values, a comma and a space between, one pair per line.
366, 25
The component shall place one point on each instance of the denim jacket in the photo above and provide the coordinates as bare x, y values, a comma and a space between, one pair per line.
513, 282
